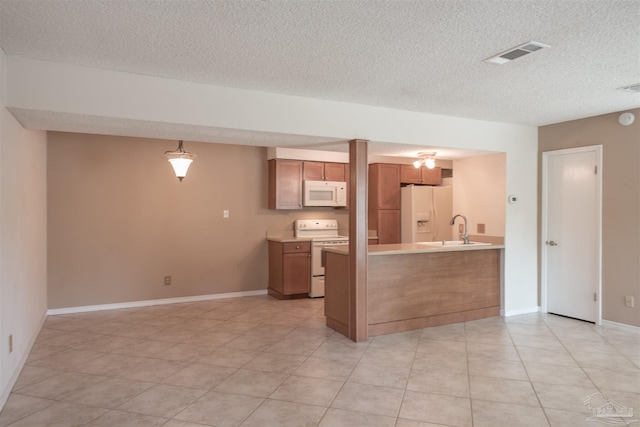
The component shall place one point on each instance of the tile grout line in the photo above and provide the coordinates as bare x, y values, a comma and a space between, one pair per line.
526, 371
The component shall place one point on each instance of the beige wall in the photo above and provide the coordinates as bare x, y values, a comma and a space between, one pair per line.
621, 203
23, 243
119, 220
479, 192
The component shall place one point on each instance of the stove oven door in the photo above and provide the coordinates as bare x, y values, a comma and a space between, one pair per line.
316, 260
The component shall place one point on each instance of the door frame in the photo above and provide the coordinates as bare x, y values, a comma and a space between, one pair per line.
545, 222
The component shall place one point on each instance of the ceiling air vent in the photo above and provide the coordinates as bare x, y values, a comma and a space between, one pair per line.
516, 52
631, 88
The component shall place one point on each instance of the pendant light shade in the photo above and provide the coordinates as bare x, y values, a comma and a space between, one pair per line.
180, 160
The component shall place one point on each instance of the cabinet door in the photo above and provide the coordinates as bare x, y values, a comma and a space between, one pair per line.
334, 172
409, 174
388, 226
285, 184
388, 186
432, 176
313, 171
296, 271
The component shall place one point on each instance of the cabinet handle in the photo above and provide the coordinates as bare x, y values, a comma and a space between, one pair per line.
297, 247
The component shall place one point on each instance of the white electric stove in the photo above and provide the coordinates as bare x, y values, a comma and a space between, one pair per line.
323, 233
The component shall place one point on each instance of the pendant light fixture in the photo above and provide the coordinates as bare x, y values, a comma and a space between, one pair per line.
426, 159
180, 160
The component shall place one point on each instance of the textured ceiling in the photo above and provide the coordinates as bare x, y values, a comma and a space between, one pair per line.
415, 55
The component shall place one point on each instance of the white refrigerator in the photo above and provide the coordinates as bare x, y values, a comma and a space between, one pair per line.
425, 212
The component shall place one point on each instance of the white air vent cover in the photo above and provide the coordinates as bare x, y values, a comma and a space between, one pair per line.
516, 52
631, 88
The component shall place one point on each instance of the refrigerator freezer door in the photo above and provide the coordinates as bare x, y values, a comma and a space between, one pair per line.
416, 214
442, 213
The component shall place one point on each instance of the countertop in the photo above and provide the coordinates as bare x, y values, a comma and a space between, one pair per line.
281, 239
413, 248
288, 239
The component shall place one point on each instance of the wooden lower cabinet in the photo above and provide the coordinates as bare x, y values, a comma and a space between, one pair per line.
289, 269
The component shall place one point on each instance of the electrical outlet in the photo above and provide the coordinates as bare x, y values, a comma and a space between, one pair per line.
167, 280
628, 302
225, 214
481, 228
10, 343
460, 228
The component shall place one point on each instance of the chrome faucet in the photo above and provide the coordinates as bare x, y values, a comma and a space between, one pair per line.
465, 235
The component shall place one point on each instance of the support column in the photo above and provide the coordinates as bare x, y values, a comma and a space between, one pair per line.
358, 233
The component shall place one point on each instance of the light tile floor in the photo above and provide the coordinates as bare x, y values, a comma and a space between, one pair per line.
257, 361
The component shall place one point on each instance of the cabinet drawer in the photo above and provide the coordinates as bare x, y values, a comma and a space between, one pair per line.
292, 247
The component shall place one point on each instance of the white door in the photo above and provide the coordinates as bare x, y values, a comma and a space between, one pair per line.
571, 230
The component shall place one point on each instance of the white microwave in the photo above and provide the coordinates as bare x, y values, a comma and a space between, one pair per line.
325, 193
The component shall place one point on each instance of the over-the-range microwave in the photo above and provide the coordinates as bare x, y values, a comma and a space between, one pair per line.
325, 193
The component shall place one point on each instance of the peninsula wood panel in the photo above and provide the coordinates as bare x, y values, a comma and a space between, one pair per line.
336, 292
412, 286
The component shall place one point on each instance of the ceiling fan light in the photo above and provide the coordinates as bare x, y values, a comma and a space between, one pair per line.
417, 164
430, 163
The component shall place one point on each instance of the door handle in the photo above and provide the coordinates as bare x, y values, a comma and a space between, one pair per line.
551, 243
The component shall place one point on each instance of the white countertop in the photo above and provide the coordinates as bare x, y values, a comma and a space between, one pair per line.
413, 248
288, 239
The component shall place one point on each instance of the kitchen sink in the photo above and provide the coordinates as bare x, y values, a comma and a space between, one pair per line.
452, 243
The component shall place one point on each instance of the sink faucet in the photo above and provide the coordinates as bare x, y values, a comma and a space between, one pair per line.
465, 235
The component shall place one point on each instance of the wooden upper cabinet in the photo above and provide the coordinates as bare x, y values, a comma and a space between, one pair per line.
432, 176
334, 172
313, 171
319, 171
412, 175
384, 186
285, 184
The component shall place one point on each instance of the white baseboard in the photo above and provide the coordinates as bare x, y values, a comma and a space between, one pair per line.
16, 373
527, 310
147, 303
620, 326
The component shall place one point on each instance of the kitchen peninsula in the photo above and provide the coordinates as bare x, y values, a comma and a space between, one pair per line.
415, 285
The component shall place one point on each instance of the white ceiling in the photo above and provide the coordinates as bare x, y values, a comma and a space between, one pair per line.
414, 55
